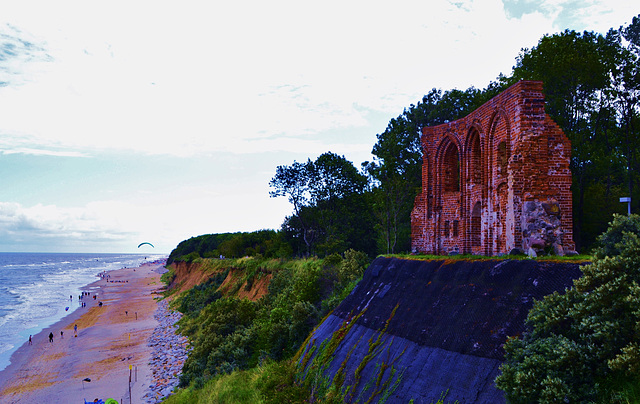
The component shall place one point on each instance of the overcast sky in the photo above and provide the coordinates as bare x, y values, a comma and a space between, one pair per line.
131, 121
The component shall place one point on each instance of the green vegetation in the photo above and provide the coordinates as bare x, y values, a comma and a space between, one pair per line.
584, 344
592, 89
265, 243
332, 211
228, 333
300, 379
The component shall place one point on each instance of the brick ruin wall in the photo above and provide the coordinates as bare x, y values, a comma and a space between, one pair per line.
496, 180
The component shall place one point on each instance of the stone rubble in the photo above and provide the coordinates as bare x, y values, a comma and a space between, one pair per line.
170, 351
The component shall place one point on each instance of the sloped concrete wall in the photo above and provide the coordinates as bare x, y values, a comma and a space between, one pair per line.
447, 331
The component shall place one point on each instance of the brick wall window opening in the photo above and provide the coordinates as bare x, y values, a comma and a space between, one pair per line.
446, 228
475, 166
476, 217
503, 158
455, 228
451, 172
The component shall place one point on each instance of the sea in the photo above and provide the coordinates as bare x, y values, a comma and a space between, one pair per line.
35, 290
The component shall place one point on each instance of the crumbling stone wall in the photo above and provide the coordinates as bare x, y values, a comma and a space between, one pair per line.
496, 180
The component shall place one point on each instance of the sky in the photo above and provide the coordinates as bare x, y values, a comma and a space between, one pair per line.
131, 121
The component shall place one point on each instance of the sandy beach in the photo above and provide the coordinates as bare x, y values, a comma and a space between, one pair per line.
111, 348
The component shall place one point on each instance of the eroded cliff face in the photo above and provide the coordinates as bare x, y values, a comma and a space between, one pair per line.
439, 325
188, 275
191, 274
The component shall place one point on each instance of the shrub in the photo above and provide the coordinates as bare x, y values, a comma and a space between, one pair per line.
221, 337
582, 339
607, 241
197, 298
230, 334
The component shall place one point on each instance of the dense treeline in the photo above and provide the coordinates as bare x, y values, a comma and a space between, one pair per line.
592, 88
266, 243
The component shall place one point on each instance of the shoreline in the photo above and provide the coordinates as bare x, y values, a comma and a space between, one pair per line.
111, 346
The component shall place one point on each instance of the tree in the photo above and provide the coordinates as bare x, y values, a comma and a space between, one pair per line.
584, 341
293, 182
577, 71
626, 94
330, 209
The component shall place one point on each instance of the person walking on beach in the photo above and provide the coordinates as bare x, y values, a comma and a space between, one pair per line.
30, 343
61, 334
75, 330
50, 337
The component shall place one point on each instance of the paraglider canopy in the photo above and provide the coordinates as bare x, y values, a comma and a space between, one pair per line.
144, 244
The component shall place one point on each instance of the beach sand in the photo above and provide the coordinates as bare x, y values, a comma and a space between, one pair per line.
111, 346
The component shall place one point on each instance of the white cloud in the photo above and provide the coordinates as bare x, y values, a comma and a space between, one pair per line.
189, 78
162, 79
199, 78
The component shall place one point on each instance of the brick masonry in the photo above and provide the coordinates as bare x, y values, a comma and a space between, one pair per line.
496, 180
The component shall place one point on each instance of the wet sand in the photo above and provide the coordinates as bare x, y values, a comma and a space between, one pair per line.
111, 347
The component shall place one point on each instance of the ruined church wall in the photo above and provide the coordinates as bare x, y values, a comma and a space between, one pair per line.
479, 171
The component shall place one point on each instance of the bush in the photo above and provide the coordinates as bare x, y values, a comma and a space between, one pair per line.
607, 241
230, 334
197, 298
221, 337
583, 339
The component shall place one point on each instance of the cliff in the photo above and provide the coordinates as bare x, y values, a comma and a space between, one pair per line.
417, 329
235, 284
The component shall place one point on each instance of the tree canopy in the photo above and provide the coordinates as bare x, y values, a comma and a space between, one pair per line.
592, 90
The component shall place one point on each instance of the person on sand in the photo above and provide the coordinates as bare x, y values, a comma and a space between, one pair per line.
61, 334
50, 337
75, 330
30, 343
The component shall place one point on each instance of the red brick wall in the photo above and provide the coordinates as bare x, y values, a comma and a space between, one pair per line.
503, 154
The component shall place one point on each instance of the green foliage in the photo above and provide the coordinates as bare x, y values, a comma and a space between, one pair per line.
316, 360
265, 243
269, 383
592, 88
230, 334
197, 298
168, 276
221, 336
583, 339
191, 257
609, 241
331, 210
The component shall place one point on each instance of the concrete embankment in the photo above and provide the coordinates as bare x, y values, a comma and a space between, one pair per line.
424, 328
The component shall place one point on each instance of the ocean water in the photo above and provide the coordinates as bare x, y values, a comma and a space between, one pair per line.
35, 290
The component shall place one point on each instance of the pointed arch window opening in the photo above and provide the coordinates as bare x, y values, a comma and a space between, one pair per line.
451, 172
503, 158
475, 166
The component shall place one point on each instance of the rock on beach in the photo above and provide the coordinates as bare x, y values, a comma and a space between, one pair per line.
170, 351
